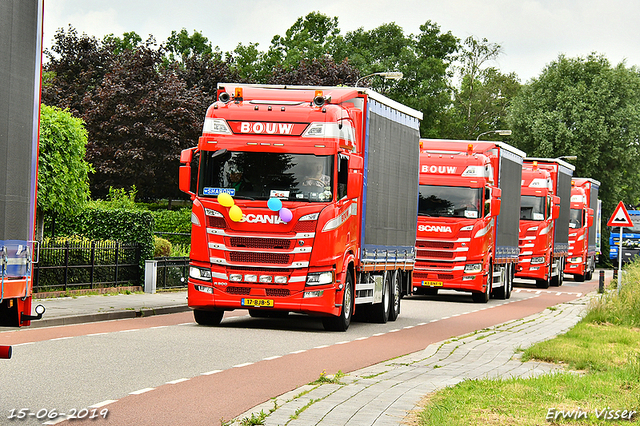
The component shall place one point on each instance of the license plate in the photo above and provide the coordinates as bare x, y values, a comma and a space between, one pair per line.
257, 302
432, 283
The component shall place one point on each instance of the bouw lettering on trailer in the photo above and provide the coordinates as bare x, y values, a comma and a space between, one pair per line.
443, 170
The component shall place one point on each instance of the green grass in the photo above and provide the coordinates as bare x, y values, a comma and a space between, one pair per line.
602, 356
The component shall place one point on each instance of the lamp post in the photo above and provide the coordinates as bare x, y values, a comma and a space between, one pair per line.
388, 75
498, 132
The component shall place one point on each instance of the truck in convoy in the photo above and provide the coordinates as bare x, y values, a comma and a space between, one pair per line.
544, 220
20, 63
630, 238
467, 239
304, 201
583, 229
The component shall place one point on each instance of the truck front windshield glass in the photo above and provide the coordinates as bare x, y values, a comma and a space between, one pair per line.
262, 175
575, 218
531, 207
636, 226
450, 201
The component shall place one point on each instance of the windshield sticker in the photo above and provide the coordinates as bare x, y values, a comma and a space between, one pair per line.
538, 216
218, 191
471, 214
279, 194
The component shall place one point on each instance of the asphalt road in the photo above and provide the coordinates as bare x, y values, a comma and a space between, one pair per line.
168, 370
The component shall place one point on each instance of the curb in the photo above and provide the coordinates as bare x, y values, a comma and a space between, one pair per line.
108, 316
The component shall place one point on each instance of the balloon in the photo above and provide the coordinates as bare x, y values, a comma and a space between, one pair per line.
285, 214
235, 214
225, 199
274, 204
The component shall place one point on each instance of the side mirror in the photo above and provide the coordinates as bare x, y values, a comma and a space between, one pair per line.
354, 185
184, 182
495, 206
555, 210
589, 218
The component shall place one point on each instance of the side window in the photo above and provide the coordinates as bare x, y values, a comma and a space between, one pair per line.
343, 175
195, 163
487, 202
549, 207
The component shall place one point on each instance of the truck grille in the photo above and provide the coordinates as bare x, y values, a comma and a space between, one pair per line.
427, 265
277, 292
261, 243
268, 258
305, 226
239, 290
436, 254
435, 244
424, 276
216, 222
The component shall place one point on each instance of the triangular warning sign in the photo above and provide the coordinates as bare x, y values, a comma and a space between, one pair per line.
620, 217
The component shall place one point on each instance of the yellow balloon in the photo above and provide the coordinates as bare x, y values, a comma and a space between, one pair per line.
235, 214
225, 199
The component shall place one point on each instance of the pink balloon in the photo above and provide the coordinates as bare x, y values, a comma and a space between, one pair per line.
285, 214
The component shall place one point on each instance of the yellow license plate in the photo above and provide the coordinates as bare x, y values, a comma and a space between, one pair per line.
257, 302
432, 283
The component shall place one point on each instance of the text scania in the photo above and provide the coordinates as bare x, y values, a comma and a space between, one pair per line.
269, 128
449, 170
261, 218
430, 228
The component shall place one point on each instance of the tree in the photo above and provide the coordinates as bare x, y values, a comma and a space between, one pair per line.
139, 119
317, 72
481, 100
585, 107
63, 183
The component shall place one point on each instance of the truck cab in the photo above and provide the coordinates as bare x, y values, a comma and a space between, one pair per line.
581, 259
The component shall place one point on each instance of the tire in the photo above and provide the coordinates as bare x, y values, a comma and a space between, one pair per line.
394, 300
504, 292
380, 311
208, 317
588, 276
545, 283
342, 321
484, 297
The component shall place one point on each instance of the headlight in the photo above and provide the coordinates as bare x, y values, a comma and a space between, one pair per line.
537, 260
473, 268
320, 278
575, 259
198, 273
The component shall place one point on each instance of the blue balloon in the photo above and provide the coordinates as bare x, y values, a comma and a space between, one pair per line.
274, 204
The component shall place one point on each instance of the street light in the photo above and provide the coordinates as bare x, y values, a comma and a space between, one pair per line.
389, 75
498, 132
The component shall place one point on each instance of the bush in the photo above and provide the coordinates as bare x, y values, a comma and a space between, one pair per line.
621, 308
174, 222
161, 247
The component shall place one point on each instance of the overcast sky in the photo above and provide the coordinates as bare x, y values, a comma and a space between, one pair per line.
532, 32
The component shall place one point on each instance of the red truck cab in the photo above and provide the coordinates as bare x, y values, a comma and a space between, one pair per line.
582, 230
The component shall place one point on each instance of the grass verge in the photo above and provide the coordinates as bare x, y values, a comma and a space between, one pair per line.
601, 384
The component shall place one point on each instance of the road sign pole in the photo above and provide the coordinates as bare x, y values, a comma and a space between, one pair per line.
620, 260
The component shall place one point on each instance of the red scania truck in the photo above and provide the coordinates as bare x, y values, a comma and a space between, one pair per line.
468, 210
544, 220
20, 63
583, 229
304, 200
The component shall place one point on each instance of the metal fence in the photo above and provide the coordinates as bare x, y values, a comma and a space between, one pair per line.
172, 272
84, 264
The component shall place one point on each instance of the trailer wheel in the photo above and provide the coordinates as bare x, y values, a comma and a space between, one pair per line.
504, 292
394, 299
207, 317
588, 275
484, 297
342, 321
380, 311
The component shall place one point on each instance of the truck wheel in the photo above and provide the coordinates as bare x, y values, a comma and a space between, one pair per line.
342, 321
380, 311
588, 276
504, 292
544, 283
396, 286
484, 297
207, 317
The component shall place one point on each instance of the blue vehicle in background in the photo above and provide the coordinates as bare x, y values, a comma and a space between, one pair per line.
630, 238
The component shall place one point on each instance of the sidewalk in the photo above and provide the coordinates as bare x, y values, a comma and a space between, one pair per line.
386, 394
79, 309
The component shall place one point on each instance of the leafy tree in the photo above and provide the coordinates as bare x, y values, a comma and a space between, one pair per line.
481, 100
139, 119
588, 108
181, 46
318, 72
129, 41
63, 183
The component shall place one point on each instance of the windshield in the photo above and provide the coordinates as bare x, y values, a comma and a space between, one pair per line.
575, 218
262, 175
449, 201
636, 226
531, 207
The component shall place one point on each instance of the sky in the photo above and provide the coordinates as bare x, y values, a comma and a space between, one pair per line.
532, 33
